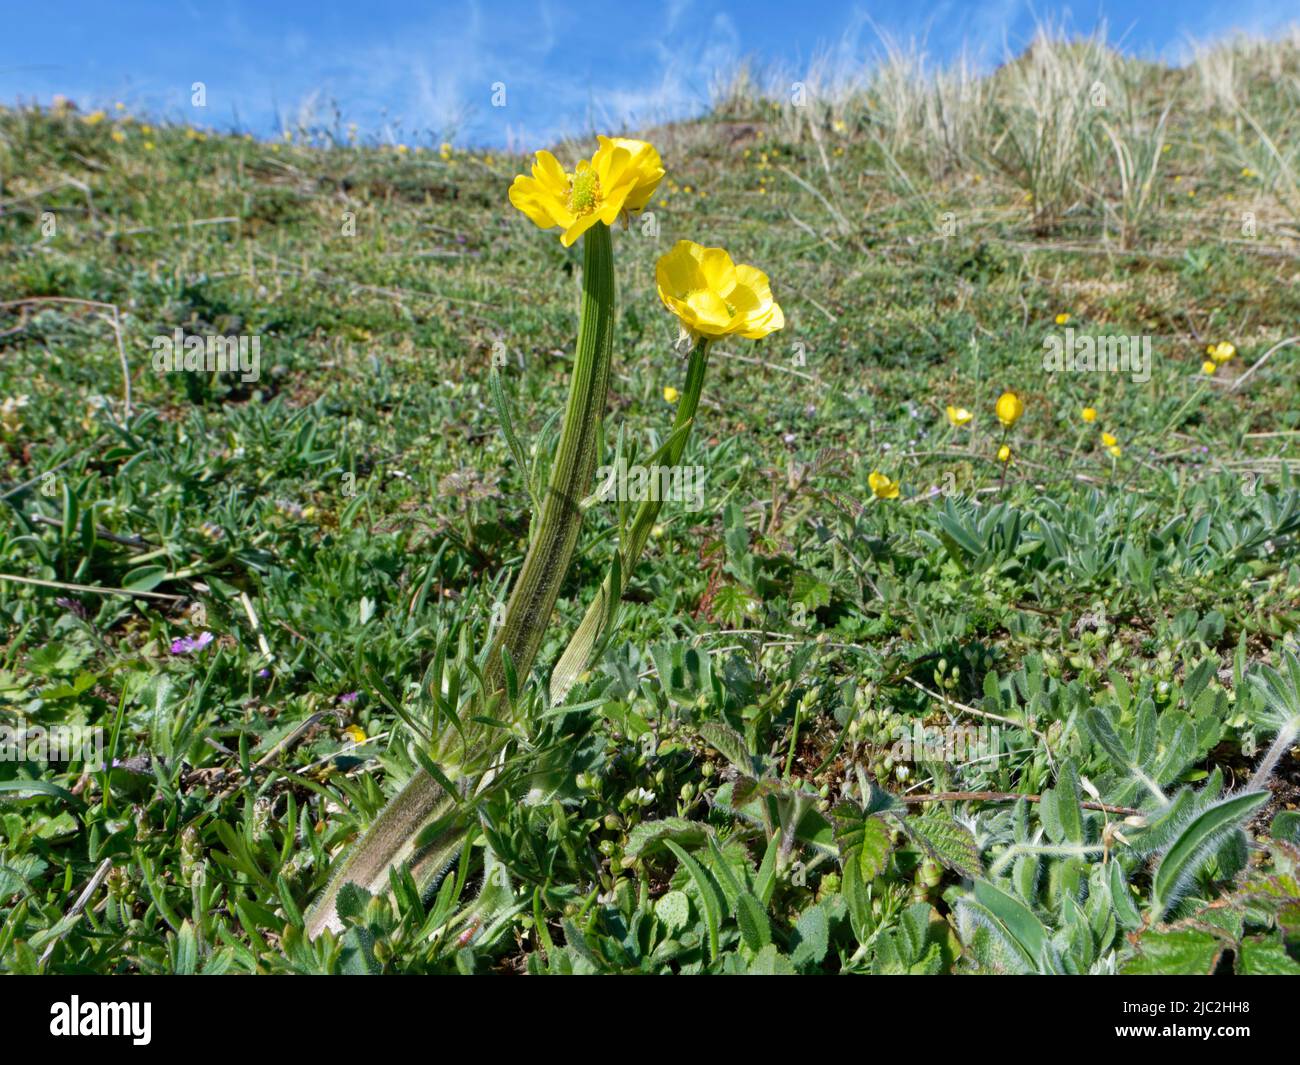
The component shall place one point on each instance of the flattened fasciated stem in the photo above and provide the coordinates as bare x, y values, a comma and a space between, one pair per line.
533, 598
391, 839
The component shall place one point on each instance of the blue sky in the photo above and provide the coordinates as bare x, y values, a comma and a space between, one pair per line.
419, 72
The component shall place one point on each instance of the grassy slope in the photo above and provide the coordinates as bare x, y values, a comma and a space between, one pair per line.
375, 349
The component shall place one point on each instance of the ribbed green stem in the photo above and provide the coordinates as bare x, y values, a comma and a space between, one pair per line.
391, 839
577, 655
529, 610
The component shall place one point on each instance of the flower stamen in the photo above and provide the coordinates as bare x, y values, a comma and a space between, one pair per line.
584, 192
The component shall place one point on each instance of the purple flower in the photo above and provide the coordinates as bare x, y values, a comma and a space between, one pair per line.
186, 644
263, 673
349, 697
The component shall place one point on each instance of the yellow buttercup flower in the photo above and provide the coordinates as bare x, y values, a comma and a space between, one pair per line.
713, 296
1208, 367
881, 486
670, 394
1063, 318
1004, 453
1009, 409
1089, 414
621, 176
959, 416
1115, 450
1222, 352
1109, 440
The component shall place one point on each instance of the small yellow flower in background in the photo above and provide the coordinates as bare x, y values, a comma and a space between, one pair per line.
714, 297
1004, 453
1063, 318
959, 416
1114, 450
621, 176
148, 146
288, 135
1089, 414
881, 486
402, 149
444, 151
1009, 409
1208, 367
1246, 172
1222, 351
94, 118
1109, 440
356, 734
117, 136
119, 106
10, 418
670, 394
146, 129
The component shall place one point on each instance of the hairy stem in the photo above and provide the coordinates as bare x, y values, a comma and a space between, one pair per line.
423, 803
1280, 745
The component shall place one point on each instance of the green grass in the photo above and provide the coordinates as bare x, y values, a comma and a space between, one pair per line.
717, 793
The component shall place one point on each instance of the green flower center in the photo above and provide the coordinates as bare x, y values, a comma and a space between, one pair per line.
584, 192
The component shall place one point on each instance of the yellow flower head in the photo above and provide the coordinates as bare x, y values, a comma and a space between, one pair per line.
1009, 409
670, 394
713, 296
1089, 414
1114, 450
959, 416
881, 486
1062, 318
1223, 351
621, 176
1208, 367
1108, 440
94, 118
1004, 453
